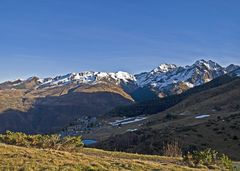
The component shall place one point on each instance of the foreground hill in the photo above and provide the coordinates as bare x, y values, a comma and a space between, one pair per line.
20, 158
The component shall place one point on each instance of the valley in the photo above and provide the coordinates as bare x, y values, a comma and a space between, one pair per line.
123, 85
205, 119
114, 111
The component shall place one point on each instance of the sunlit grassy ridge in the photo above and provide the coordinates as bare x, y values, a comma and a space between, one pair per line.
21, 158
53, 152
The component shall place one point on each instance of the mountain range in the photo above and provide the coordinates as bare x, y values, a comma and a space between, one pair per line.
166, 79
43, 105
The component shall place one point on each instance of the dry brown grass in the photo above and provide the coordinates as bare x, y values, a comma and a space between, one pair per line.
172, 149
20, 158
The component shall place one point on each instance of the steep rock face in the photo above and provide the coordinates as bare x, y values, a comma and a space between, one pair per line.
232, 67
169, 79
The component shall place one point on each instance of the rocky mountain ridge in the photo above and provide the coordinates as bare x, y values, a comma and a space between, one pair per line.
170, 79
166, 79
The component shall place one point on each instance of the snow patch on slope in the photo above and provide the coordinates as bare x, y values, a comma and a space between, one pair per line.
201, 116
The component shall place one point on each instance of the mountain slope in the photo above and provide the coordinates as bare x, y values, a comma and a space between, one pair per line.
50, 109
166, 79
205, 119
169, 79
46, 105
20, 158
159, 105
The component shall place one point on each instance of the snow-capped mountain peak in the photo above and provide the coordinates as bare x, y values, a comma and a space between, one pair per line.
232, 67
172, 79
124, 76
210, 65
162, 68
87, 77
166, 78
201, 62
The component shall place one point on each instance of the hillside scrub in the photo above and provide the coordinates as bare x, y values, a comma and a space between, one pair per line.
206, 158
209, 158
16, 158
42, 141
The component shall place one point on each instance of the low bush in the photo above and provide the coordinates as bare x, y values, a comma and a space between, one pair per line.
172, 149
42, 141
226, 162
208, 158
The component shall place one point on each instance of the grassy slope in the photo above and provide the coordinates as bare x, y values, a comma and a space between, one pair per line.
20, 158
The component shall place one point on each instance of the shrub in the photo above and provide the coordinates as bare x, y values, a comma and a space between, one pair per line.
71, 143
172, 149
42, 141
17, 138
207, 158
226, 162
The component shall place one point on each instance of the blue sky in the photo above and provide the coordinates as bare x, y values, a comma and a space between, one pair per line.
51, 37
